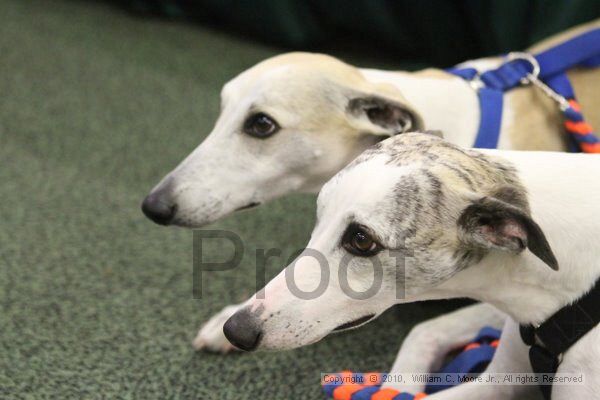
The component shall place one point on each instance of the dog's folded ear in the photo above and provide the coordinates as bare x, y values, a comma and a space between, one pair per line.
491, 223
383, 116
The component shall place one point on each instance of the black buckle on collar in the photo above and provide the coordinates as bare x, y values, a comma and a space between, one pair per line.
543, 362
527, 334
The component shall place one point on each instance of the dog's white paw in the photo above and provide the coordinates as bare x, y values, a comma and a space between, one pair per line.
211, 337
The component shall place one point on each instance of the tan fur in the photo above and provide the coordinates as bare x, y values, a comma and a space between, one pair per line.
433, 73
536, 123
313, 75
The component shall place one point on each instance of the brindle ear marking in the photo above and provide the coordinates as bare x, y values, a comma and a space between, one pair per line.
491, 223
392, 116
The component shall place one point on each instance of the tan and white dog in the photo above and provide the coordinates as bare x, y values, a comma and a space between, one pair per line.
417, 218
291, 122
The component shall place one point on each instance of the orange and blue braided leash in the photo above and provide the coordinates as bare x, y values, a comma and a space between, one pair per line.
580, 131
472, 359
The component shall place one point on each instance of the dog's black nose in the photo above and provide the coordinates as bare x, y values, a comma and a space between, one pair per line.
243, 330
158, 207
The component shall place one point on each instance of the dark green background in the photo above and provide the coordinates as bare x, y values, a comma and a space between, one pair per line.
441, 32
96, 105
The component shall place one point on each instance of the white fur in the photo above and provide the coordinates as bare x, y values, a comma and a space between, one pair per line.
564, 198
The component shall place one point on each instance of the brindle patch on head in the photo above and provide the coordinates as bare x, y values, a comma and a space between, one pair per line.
407, 194
470, 169
406, 148
428, 200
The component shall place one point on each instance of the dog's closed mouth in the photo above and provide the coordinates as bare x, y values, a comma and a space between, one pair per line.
355, 323
247, 206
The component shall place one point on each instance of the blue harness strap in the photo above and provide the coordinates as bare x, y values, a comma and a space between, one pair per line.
491, 101
580, 51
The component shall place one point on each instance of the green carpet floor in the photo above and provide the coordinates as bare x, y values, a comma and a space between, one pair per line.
95, 300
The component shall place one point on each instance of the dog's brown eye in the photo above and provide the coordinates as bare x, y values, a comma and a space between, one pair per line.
359, 242
260, 125
362, 242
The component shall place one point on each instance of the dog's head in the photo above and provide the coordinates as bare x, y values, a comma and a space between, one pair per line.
287, 124
399, 224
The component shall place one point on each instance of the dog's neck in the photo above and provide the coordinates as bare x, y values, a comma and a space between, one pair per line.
521, 286
445, 102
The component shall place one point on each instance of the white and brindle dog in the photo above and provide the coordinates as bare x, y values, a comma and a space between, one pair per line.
291, 122
512, 229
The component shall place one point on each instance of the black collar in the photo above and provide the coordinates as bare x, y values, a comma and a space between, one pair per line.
550, 340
